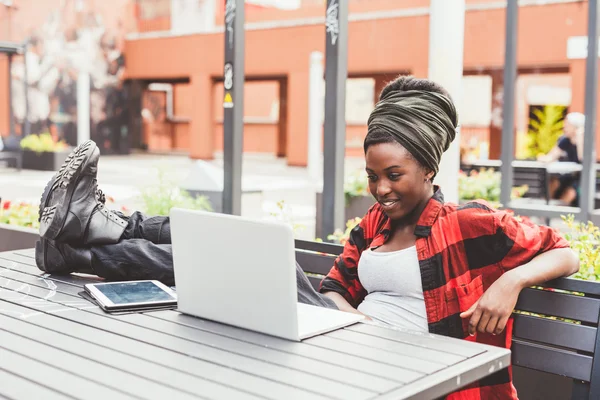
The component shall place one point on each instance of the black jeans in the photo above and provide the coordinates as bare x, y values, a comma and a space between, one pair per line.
145, 252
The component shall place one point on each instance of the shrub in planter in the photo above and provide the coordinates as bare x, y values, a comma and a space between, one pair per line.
42, 152
356, 185
342, 237
585, 240
19, 214
357, 197
166, 194
18, 225
484, 185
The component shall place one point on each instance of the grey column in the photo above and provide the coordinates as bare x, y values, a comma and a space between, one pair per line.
11, 117
508, 107
233, 104
588, 174
26, 123
334, 136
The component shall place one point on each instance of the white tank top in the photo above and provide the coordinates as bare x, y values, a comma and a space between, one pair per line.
395, 292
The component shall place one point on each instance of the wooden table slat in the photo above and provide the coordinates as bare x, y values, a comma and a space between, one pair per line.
57, 379
399, 360
426, 340
223, 357
26, 252
10, 261
80, 365
333, 373
202, 370
352, 362
156, 374
16, 387
406, 349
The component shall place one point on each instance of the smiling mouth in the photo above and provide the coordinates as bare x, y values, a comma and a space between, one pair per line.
388, 203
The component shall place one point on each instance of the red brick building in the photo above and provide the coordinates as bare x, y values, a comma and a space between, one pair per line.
386, 37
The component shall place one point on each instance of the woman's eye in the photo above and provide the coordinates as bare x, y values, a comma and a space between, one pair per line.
395, 177
372, 178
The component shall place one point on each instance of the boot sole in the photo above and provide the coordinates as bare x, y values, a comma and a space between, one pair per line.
52, 217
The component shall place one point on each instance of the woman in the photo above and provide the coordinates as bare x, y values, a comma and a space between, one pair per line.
569, 147
418, 263
413, 262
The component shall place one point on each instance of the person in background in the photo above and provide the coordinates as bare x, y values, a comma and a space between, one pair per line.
569, 147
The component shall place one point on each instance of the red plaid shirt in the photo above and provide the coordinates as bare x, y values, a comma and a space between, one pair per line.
462, 250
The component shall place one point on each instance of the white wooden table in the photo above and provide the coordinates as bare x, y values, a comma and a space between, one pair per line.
56, 345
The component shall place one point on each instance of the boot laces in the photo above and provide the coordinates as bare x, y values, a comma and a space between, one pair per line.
100, 196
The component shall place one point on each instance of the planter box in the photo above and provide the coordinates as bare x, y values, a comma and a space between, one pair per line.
46, 161
357, 207
15, 237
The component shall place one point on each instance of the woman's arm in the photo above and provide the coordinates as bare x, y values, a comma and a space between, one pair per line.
551, 156
491, 312
550, 265
342, 303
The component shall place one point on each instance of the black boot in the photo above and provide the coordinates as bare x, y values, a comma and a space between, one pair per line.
72, 208
60, 258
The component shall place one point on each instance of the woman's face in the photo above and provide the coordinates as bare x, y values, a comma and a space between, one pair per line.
397, 181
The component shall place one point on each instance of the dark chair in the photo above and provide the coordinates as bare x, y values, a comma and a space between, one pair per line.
536, 180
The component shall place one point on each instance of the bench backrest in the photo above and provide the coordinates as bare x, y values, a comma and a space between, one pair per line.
549, 344
540, 343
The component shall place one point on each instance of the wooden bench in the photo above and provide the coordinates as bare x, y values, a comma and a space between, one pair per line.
542, 344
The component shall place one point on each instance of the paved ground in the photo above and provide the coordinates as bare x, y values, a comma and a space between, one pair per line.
268, 179
124, 177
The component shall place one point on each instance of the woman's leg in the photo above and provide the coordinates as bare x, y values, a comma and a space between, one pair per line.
134, 259
307, 294
156, 229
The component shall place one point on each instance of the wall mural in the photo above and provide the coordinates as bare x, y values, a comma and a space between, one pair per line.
59, 50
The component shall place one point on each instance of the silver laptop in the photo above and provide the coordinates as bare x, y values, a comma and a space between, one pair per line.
242, 272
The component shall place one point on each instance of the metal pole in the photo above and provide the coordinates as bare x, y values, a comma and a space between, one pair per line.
26, 123
11, 116
508, 106
315, 115
446, 44
588, 174
233, 104
334, 136
83, 106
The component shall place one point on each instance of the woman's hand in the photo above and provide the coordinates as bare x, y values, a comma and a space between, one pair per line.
491, 312
343, 305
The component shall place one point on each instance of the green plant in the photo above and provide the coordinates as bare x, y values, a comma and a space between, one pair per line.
584, 238
284, 214
166, 194
342, 237
355, 185
19, 214
42, 143
484, 185
545, 129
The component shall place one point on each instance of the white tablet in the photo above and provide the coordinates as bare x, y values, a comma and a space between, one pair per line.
132, 294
